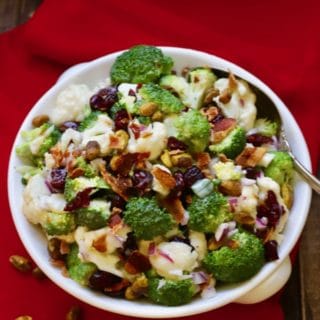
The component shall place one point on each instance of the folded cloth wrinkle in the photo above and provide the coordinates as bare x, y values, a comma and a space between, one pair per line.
276, 42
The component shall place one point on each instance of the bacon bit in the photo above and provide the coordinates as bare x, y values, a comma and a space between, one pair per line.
213, 244
225, 124
175, 208
77, 172
117, 287
164, 177
82, 200
64, 247
188, 199
223, 158
230, 188
100, 244
114, 141
232, 244
250, 156
122, 164
114, 220
211, 113
136, 129
225, 96
76, 153
203, 160
115, 211
233, 83
209, 95
136, 263
244, 218
57, 263
57, 155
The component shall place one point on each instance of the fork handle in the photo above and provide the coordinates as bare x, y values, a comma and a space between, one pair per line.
313, 182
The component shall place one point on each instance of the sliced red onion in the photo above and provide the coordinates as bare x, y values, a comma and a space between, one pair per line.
221, 231
185, 218
48, 184
164, 255
199, 277
261, 223
231, 233
247, 182
208, 292
152, 249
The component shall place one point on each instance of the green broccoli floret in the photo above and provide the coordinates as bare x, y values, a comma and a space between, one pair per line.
115, 108
73, 186
89, 120
59, 223
191, 93
78, 270
144, 120
281, 168
194, 129
238, 263
266, 127
37, 142
164, 99
171, 293
88, 170
232, 144
140, 64
146, 218
95, 216
207, 213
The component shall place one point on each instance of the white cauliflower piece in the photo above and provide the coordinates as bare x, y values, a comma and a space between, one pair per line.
70, 136
227, 170
248, 200
199, 242
152, 139
72, 104
241, 105
171, 259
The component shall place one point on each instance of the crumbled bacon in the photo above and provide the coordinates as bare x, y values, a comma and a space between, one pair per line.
203, 159
136, 263
64, 247
100, 244
230, 188
123, 163
211, 113
82, 200
222, 128
250, 156
117, 288
76, 172
175, 208
136, 129
164, 177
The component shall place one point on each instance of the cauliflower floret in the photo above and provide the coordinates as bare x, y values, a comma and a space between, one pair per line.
248, 200
171, 259
227, 170
241, 105
71, 105
100, 132
103, 260
152, 139
199, 242
70, 136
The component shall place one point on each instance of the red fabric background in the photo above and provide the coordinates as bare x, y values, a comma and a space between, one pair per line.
278, 42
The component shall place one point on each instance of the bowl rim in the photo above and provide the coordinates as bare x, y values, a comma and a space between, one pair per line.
151, 310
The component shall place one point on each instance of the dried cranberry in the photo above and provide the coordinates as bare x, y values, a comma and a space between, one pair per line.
104, 99
175, 144
142, 181
130, 244
118, 202
58, 179
121, 120
100, 280
271, 250
192, 175
82, 200
258, 139
69, 125
137, 262
180, 185
270, 209
252, 173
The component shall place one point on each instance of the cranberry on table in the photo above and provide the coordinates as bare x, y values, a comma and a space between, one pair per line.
104, 99
192, 175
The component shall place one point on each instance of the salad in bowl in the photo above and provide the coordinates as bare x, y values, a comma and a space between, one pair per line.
158, 183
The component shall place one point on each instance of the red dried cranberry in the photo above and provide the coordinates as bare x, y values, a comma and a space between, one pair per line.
69, 125
121, 120
270, 209
142, 181
175, 144
82, 200
271, 250
117, 202
137, 262
130, 244
252, 173
192, 175
58, 179
104, 99
258, 139
100, 280
180, 186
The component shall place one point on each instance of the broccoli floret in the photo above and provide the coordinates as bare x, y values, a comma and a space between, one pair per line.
59, 223
144, 120
238, 263
207, 213
73, 186
88, 170
89, 120
78, 270
37, 142
232, 144
169, 292
164, 99
140, 64
95, 216
266, 127
27, 172
191, 93
281, 168
146, 218
193, 129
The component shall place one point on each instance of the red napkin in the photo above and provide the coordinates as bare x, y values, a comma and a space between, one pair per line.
279, 43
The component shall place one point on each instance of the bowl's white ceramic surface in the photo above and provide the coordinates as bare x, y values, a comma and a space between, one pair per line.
269, 277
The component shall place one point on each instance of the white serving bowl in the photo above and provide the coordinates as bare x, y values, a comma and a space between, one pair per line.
271, 277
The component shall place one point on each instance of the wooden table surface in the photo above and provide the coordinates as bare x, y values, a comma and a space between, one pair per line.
301, 298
